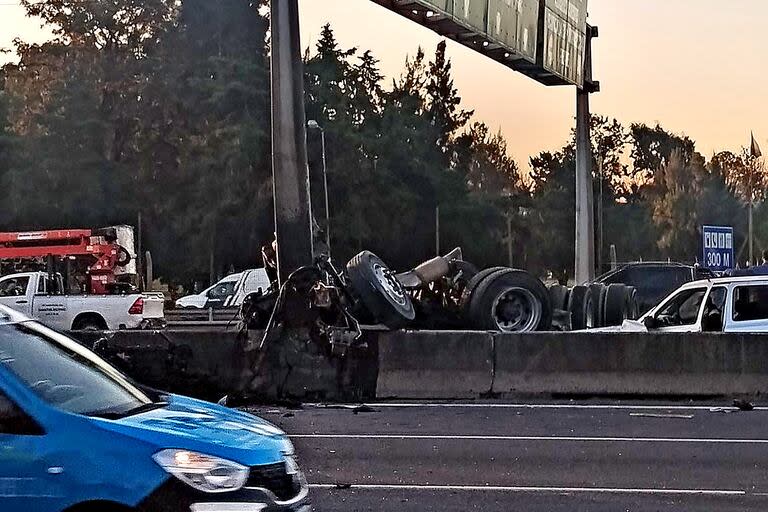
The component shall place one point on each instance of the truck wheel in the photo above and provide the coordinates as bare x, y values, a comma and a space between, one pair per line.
89, 323
558, 296
581, 308
598, 304
616, 304
633, 309
379, 290
466, 296
511, 300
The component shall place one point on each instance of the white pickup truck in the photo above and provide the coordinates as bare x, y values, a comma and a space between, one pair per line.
37, 295
725, 304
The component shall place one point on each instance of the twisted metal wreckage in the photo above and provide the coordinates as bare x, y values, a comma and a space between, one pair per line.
328, 306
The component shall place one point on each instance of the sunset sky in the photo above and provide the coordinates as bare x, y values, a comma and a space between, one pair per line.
695, 66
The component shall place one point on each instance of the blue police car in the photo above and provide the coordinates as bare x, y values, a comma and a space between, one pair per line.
78, 436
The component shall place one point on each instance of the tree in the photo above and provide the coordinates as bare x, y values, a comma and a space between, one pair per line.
676, 207
204, 142
652, 148
106, 24
8, 142
551, 219
443, 100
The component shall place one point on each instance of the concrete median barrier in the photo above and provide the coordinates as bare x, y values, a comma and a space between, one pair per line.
439, 365
212, 363
202, 363
631, 364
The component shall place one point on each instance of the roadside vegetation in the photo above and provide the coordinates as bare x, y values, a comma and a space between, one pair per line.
163, 111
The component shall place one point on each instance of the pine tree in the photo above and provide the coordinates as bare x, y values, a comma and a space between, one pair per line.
443, 98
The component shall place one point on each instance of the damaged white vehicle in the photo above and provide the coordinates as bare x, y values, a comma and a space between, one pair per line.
727, 304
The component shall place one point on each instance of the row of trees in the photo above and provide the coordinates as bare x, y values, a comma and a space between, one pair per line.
162, 109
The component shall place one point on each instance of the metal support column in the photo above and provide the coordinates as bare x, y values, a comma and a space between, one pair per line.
290, 172
585, 222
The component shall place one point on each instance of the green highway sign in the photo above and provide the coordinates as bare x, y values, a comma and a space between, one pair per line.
544, 39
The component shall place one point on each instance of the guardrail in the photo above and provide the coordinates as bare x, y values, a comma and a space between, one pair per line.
202, 315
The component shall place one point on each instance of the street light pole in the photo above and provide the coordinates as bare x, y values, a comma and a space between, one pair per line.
314, 125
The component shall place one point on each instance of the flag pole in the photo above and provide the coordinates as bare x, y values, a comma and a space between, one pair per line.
754, 153
751, 239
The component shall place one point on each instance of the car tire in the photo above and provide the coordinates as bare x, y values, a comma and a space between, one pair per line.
379, 291
581, 308
558, 297
616, 304
521, 291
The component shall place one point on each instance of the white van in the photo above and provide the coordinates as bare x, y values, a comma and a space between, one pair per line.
229, 292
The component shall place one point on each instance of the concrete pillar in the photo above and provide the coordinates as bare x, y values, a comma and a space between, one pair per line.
293, 211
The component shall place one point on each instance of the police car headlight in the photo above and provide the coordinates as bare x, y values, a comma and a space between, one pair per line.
203, 472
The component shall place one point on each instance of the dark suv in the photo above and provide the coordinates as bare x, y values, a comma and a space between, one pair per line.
654, 280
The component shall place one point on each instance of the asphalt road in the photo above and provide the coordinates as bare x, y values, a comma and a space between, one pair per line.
560, 456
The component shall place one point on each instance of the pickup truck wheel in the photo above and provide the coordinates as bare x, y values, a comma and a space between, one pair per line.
89, 323
379, 290
511, 301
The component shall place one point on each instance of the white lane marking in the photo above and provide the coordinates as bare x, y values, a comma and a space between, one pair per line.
491, 488
714, 408
426, 437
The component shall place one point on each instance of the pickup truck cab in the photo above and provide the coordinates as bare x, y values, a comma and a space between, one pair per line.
726, 304
37, 295
229, 292
76, 435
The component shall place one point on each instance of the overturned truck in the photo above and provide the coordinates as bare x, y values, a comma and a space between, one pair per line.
445, 292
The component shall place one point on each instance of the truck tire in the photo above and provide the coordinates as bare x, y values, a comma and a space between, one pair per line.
633, 308
558, 296
379, 290
466, 295
616, 304
89, 322
511, 300
598, 303
581, 308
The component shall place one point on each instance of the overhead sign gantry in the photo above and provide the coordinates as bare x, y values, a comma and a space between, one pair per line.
543, 39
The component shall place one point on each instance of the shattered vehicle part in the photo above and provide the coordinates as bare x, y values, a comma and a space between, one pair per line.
444, 292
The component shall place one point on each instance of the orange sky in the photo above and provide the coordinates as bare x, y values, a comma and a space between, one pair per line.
695, 66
